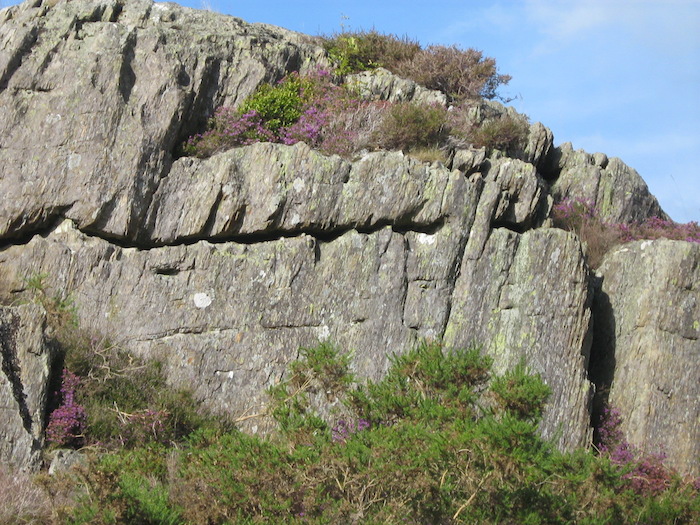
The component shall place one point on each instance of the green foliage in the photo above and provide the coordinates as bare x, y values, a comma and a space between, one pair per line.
520, 393
278, 105
505, 133
423, 451
355, 51
408, 125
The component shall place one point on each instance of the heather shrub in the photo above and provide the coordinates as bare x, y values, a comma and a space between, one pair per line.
67, 421
599, 236
408, 125
504, 133
462, 74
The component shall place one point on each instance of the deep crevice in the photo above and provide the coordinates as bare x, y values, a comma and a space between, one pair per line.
601, 366
43, 227
12, 370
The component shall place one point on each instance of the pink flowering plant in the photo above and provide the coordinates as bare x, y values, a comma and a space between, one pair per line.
582, 217
643, 472
67, 422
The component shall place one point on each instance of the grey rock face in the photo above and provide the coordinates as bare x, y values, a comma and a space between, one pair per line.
526, 297
615, 189
649, 316
97, 95
26, 363
223, 267
380, 84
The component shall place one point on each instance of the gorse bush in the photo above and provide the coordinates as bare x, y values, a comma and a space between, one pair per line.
414, 447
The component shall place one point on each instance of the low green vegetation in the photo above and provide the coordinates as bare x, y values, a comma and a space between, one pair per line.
320, 110
438, 440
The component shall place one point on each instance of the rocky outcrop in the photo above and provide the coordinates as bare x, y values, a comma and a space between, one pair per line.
543, 320
24, 382
224, 267
380, 84
617, 191
96, 96
648, 339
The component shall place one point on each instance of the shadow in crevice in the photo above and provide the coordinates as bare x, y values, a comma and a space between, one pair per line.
601, 368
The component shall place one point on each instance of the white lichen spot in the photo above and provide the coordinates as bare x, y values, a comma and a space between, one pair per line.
201, 300
323, 332
299, 185
53, 118
74, 161
645, 244
424, 238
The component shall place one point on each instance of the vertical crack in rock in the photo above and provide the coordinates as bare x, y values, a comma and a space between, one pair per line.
127, 76
11, 368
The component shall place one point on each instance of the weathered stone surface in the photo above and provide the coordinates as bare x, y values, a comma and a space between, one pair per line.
380, 84
514, 196
223, 267
616, 190
275, 189
527, 296
97, 95
24, 377
538, 150
648, 318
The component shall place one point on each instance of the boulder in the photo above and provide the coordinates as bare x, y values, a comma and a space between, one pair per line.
24, 385
380, 84
647, 314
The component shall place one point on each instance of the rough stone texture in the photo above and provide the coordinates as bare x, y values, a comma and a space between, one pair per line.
274, 189
648, 317
24, 376
223, 267
527, 296
380, 84
96, 95
616, 190
228, 317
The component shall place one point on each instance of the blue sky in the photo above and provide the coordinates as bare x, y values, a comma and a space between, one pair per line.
617, 76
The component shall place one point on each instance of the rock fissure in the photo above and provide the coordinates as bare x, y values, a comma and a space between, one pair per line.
11, 368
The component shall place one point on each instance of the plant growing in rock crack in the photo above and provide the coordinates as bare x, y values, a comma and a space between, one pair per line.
67, 421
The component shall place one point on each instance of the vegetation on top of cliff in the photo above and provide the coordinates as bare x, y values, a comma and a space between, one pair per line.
437, 440
599, 236
461, 74
335, 120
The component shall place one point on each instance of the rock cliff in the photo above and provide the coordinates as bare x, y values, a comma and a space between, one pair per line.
223, 267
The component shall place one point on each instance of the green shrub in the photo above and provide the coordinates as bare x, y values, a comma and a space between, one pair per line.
413, 447
278, 105
362, 50
520, 393
409, 126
